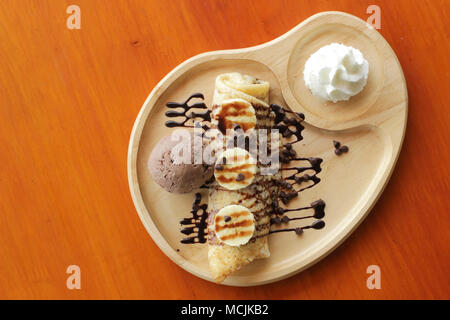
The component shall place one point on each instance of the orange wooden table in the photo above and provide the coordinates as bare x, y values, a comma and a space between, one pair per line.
68, 100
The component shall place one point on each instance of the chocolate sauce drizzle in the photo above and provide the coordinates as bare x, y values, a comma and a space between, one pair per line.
317, 225
285, 124
208, 183
289, 126
299, 178
197, 223
193, 115
319, 212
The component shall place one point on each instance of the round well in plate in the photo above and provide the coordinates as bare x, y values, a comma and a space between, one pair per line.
321, 36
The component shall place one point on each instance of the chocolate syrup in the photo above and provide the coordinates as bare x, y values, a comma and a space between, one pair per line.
319, 212
288, 154
284, 123
208, 182
205, 116
197, 222
317, 225
288, 127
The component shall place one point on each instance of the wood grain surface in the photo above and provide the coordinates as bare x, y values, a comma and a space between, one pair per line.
68, 100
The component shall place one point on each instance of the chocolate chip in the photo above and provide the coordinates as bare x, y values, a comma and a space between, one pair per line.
285, 219
298, 180
292, 153
277, 108
284, 159
292, 195
336, 144
227, 218
291, 121
298, 231
338, 152
276, 220
219, 167
287, 133
343, 149
240, 177
302, 178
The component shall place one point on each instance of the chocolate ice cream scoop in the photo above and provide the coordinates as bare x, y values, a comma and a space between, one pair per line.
172, 166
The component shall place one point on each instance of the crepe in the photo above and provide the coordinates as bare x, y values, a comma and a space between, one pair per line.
258, 196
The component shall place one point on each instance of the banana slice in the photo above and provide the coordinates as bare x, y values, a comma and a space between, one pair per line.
235, 169
234, 225
234, 112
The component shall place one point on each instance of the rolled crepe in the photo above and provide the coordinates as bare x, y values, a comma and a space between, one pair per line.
243, 100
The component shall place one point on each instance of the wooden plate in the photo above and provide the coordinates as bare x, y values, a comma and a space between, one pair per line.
372, 124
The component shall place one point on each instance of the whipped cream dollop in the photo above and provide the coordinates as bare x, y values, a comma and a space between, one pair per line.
336, 72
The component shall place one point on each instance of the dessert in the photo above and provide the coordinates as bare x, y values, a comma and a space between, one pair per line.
246, 192
172, 164
336, 72
223, 258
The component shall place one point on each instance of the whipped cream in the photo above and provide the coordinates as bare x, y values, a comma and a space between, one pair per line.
336, 72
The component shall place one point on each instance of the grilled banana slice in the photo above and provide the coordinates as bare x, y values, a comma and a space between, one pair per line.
234, 225
235, 169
